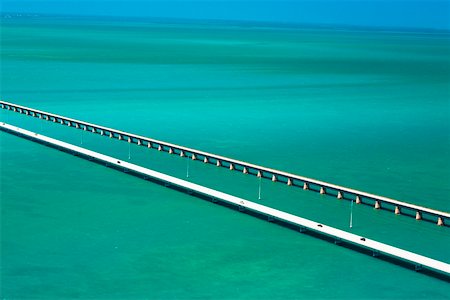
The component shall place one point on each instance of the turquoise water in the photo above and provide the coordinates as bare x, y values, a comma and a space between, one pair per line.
365, 109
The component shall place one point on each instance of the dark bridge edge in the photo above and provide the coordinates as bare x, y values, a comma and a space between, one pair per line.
282, 177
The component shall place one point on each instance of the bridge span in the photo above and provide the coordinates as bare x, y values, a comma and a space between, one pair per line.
377, 249
418, 212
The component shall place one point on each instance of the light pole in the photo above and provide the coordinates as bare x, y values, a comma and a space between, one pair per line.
187, 166
351, 214
259, 188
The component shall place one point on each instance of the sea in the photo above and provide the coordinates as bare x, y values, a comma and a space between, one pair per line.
364, 108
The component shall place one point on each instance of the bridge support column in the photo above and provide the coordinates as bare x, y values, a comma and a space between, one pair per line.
322, 190
377, 205
358, 200
339, 195
159, 148
440, 221
274, 178
205, 160
218, 164
245, 171
194, 157
231, 167
182, 154
305, 186
397, 210
170, 151
418, 215
289, 182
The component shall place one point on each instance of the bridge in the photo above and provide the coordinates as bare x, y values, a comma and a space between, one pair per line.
384, 251
418, 212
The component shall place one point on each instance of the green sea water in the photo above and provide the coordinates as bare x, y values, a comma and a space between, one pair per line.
365, 109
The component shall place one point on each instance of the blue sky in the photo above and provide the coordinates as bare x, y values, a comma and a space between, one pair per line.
433, 14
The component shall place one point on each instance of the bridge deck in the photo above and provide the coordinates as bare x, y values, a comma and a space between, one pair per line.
341, 192
417, 260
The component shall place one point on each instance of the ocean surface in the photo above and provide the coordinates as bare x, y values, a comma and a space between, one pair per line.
365, 109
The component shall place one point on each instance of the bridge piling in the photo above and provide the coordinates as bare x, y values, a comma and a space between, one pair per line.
418, 215
377, 205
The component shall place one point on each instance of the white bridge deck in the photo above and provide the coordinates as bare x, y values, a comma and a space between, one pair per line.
419, 261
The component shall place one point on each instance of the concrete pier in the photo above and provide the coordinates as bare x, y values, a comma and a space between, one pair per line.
350, 240
360, 197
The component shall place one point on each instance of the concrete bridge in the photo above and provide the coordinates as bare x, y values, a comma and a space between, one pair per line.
384, 251
340, 192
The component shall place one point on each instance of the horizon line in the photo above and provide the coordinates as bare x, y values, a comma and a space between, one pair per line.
249, 23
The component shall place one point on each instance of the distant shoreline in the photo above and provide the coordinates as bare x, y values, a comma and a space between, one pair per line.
221, 22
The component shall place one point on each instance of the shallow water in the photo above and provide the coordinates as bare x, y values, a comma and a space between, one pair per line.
368, 110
